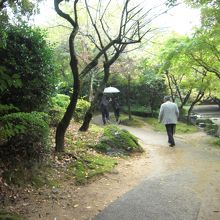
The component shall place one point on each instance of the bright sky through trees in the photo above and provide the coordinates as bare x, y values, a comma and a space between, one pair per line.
180, 19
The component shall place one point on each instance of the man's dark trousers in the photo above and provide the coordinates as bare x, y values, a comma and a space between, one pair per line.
170, 132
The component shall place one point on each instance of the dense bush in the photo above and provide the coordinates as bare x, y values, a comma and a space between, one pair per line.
140, 111
117, 141
209, 127
81, 109
217, 142
6, 109
61, 100
59, 105
148, 89
203, 120
24, 135
27, 60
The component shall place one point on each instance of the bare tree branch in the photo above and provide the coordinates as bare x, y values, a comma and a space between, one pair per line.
64, 15
96, 29
206, 66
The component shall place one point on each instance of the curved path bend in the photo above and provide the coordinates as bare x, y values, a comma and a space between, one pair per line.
184, 183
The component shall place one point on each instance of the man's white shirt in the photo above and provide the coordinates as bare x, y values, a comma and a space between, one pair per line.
169, 113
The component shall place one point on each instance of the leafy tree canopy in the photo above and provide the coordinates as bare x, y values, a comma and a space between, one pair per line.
18, 8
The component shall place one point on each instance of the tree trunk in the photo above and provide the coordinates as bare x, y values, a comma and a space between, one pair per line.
89, 113
183, 103
217, 101
86, 122
64, 123
198, 98
94, 103
169, 85
91, 87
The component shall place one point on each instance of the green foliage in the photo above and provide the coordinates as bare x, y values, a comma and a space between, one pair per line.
27, 69
81, 109
116, 141
59, 104
191, 66
7, 81
61, 100
210, 11
138, 110
90, 166
183, 111
134, 122
181, 128
26, 134
5, 215
3, 35
23, 174
217, 142
17, 9
6, 109
152, 87
211, 129
210, 15
203, 120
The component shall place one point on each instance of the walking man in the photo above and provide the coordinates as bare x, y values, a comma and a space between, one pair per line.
168, 115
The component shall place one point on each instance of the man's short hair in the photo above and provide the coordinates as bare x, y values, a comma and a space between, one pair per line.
167, 98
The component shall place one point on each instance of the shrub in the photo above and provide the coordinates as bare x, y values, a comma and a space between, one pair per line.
118, 141
217, 142
6, 109
90, 166
211, 129
61, 100
25, 135
141, 111
81, 108
204, 120
27, 59
59, 104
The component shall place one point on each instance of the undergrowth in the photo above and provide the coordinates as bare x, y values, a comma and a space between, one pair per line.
180, 127
216, 142
90, 166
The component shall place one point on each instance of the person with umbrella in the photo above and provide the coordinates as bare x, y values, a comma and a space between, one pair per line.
104, 109
105, 103
116, 108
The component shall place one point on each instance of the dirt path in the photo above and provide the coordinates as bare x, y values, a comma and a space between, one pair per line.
71, 202
192, 154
